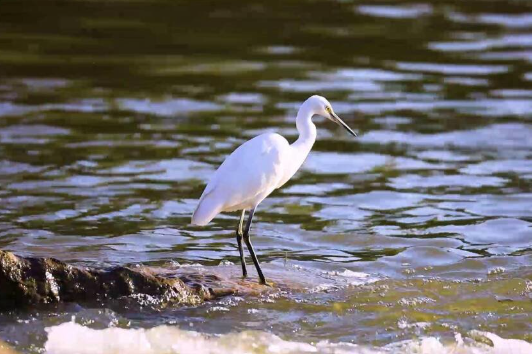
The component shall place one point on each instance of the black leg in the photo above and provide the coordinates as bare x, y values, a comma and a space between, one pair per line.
250, 247
239, 235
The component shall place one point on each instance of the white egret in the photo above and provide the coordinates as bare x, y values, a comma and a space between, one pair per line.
258, 167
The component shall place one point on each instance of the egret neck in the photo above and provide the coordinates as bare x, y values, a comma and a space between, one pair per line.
307, 135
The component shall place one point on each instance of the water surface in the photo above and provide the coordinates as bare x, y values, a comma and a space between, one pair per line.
114, 114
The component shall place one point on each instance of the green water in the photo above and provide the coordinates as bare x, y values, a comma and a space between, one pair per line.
113, 115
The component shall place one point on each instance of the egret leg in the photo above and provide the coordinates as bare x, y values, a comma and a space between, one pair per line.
250, 247
239, 235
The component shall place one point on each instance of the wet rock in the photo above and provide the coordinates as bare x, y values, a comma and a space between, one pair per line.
26, 281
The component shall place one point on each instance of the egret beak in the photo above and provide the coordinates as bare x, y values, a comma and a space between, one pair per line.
337, 119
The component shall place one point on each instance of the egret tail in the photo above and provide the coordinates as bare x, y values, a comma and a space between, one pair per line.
205, 212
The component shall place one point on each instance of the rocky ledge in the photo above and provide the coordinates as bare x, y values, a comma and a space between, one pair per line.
26, 281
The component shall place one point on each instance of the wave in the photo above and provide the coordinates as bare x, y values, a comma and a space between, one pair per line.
73, 338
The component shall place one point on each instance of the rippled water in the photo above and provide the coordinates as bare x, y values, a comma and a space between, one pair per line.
114, 114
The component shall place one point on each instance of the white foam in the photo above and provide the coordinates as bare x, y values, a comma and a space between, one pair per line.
341, 279
70, 338
73, 338
353, 278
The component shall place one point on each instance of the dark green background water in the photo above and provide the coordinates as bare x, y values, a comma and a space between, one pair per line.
113, 114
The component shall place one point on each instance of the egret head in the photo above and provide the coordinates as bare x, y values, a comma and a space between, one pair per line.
322, 107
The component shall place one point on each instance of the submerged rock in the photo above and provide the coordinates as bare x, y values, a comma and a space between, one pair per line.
26, 281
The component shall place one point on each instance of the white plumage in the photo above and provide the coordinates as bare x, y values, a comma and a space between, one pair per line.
238, 184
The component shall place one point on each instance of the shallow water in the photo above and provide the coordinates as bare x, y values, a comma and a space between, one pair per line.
114, 114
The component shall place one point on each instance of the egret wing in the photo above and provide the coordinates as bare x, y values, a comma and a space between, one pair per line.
253, 169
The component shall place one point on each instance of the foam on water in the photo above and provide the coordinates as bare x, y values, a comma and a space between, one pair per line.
71, 337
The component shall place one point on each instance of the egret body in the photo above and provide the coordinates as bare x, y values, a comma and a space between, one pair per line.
258, 167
